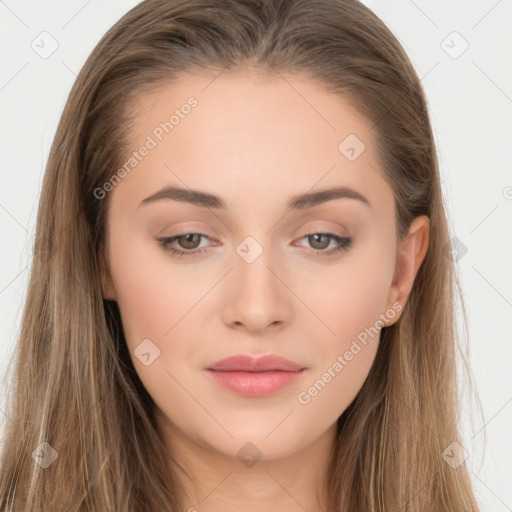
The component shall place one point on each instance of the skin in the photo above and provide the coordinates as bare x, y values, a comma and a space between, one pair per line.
255, 141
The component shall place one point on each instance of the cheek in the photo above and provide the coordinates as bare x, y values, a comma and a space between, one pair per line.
155, 305
353, 299
152, 297
354, 295
350, 307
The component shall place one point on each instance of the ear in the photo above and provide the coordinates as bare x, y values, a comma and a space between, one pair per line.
107, 285
411, 254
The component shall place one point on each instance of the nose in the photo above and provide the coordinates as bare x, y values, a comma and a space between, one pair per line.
257, 296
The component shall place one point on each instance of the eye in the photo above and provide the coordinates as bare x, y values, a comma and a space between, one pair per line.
318, 241
187, 240
189, 243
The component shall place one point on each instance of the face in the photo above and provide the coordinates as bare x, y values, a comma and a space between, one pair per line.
261, 262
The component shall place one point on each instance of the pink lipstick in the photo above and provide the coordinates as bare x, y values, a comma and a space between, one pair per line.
255, 377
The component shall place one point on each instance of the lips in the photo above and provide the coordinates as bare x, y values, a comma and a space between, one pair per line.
242, 363
255, 377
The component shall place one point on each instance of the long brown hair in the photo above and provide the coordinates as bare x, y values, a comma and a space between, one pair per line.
74, 386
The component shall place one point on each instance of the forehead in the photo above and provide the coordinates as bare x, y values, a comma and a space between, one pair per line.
251, 132
247, 105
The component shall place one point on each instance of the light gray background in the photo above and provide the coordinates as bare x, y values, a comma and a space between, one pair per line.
470, 101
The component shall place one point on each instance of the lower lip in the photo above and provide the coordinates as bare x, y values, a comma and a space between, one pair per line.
254, 384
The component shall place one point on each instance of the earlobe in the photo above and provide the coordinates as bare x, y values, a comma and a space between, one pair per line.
107, 284
411, 255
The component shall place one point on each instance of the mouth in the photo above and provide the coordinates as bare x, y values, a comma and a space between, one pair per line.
255, 377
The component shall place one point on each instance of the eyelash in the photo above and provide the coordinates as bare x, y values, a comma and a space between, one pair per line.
344, 243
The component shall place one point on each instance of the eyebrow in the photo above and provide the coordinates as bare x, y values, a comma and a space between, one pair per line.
299, 202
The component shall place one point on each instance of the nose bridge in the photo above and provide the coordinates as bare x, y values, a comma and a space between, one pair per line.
252, 269
258, 297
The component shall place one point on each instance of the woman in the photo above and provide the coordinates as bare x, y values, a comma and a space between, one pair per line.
190, 341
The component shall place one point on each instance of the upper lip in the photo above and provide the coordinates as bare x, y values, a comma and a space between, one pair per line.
243, 363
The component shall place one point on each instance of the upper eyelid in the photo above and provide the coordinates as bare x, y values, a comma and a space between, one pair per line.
197, 231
